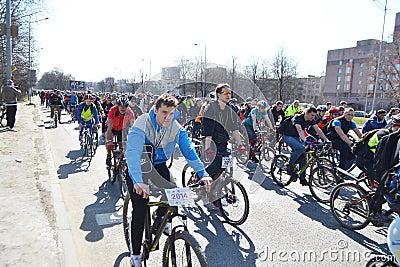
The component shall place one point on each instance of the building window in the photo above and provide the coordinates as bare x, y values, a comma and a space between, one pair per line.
360, 74
339, 70
359, 82
339, 78
380, 104
338, 87
370, 87
371, 78
346, 86
372, 68
382, 95
340, 62
361, 65
348, 70
347, 78
350, 60
397, 66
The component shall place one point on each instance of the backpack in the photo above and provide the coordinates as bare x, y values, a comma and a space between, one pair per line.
362, 143
284, 124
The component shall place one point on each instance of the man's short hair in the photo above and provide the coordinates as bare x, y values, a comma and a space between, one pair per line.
343, 102
310, 109
329, 103
348, 110
219, 87
166, 99
278, 102
381, 111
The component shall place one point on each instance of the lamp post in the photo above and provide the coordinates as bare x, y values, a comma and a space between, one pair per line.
379, 59
29, 56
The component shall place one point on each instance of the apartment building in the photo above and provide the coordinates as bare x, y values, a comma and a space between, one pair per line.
351, 73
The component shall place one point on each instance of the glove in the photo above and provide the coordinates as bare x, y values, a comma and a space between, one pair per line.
308, 143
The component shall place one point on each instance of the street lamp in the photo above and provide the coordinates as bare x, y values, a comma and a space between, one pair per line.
29, 56
379, 59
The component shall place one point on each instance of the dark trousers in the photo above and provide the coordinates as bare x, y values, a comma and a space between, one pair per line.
159, 176
345, 151
11, 112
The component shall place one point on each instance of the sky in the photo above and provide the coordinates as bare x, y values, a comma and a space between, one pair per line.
95, 39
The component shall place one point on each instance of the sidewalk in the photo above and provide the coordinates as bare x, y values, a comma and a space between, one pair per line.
33, 226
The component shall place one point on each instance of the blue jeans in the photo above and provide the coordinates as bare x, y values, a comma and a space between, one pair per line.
298, 150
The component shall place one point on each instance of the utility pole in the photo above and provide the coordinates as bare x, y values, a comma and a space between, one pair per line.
8, 39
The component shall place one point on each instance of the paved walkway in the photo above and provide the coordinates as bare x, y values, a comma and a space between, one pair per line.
33, 226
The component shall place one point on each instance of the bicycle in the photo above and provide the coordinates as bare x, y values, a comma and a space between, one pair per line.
73, 113
112, 169
56, 115
3, 112
180, 249
122, 169
87, 142
321, 177
228, 194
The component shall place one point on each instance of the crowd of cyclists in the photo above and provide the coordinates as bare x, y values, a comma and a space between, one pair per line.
156, 123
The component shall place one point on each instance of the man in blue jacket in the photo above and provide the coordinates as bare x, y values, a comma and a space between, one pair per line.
159, 131
377, 121
86, 112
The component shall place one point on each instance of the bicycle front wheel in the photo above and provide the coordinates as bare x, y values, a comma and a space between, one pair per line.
181, 250
242, 155
278, 170
349, 205
322, 181
123, 187
111, 170
234, 202
95, 140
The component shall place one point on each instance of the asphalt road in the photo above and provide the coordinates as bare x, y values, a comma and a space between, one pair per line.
286, 226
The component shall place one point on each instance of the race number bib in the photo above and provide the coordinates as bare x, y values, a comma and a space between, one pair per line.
179, 196
227, 162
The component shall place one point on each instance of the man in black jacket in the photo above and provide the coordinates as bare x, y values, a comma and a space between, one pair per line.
9, 95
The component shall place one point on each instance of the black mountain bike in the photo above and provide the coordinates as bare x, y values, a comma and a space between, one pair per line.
180, 249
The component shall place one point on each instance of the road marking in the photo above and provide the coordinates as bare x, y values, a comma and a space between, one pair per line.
109, 218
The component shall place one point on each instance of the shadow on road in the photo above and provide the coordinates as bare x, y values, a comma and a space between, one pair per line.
233, 240
77, 164
103, 213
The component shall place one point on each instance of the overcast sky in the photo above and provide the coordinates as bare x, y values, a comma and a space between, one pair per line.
95, 39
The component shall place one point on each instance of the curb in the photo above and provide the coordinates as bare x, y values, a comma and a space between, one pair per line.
68, 257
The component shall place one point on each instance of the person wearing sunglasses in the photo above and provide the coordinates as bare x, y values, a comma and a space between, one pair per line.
219, 121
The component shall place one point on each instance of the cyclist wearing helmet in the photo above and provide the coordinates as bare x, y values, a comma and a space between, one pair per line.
85, 113
252, 122
320, 120
119, 117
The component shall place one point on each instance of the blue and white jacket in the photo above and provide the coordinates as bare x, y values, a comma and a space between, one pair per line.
147, 131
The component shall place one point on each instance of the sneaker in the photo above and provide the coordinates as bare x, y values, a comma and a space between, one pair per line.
254, 159
136, 260
108, 160
12, 130
304, 182
289, 169
379, 220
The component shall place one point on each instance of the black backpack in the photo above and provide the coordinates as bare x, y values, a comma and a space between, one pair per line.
284, 124
362, 143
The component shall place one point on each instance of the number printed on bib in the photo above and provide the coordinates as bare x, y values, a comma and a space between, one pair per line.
179, 196
227, 162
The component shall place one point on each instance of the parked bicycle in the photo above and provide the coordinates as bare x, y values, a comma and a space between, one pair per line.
180, 249
322, 178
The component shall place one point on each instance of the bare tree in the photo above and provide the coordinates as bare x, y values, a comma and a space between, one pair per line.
184, 65
55, 79
284, 71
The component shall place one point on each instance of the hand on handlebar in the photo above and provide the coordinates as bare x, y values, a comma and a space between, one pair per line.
206, 181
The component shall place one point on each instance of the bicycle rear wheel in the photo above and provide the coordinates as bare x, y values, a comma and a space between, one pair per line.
55, 119
349, 205
322, 181
95, 140
266, 158
126, 219
234, 202
185, 251
278, 170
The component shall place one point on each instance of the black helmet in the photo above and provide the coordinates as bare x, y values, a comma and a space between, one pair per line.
123, 102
